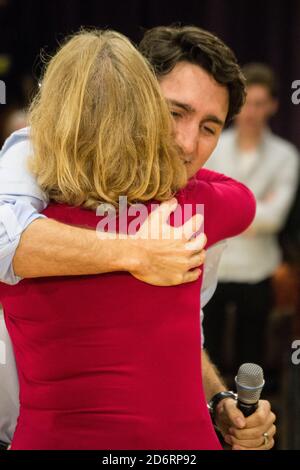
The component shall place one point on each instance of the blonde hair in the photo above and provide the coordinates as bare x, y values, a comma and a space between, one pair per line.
100, 127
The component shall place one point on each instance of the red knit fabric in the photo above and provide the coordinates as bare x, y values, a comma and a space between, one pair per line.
109, 362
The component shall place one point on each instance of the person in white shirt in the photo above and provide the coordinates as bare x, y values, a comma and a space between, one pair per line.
268, 165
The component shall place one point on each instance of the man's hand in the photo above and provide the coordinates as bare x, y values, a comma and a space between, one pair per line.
246, 433
170, 258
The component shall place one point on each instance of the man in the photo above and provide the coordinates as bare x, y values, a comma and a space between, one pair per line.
268, 165
203, 85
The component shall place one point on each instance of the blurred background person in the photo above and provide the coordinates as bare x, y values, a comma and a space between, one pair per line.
14, 120
268, 164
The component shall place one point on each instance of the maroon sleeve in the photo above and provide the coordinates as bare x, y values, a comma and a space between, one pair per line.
229, 206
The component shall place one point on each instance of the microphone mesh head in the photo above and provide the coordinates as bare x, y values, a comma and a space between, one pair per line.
249, 383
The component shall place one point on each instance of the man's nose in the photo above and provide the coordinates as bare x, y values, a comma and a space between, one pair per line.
188, 142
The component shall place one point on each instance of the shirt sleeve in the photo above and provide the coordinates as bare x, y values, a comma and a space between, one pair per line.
15, 216
9, 386
21, 200
15, 176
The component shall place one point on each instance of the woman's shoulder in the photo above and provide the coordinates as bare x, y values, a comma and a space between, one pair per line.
202, 186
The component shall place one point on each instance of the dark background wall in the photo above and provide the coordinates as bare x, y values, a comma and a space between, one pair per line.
266, 30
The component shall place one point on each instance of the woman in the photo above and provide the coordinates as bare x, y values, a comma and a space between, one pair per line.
109, 362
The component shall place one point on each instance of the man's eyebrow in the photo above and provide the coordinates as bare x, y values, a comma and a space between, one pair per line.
189, 109
184, 106
213, 118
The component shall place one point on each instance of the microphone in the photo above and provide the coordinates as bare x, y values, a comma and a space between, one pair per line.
249, 384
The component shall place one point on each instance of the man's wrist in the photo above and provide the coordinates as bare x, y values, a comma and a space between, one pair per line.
127, 255
4, 445
216, 400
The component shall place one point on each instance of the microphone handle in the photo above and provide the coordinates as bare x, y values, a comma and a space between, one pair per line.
247, 409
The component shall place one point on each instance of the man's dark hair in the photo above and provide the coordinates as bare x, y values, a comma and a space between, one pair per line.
261, 74
165, 46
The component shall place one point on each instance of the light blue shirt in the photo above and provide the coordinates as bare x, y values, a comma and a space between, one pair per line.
21, 199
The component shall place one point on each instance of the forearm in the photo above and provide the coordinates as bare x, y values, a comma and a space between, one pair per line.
49, 248
268, 219
212, 381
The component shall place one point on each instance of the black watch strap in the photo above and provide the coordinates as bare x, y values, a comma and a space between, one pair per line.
212, 405
3, 446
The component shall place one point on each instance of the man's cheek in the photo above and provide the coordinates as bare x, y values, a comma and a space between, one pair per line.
200, 162
206, 148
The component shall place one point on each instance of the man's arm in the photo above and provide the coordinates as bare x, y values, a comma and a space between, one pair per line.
49, 248
212, 381
239, 432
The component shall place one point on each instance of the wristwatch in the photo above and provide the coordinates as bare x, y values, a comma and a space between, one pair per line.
3, 446
212, 405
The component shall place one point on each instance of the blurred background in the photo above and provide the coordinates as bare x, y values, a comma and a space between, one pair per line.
265, 31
